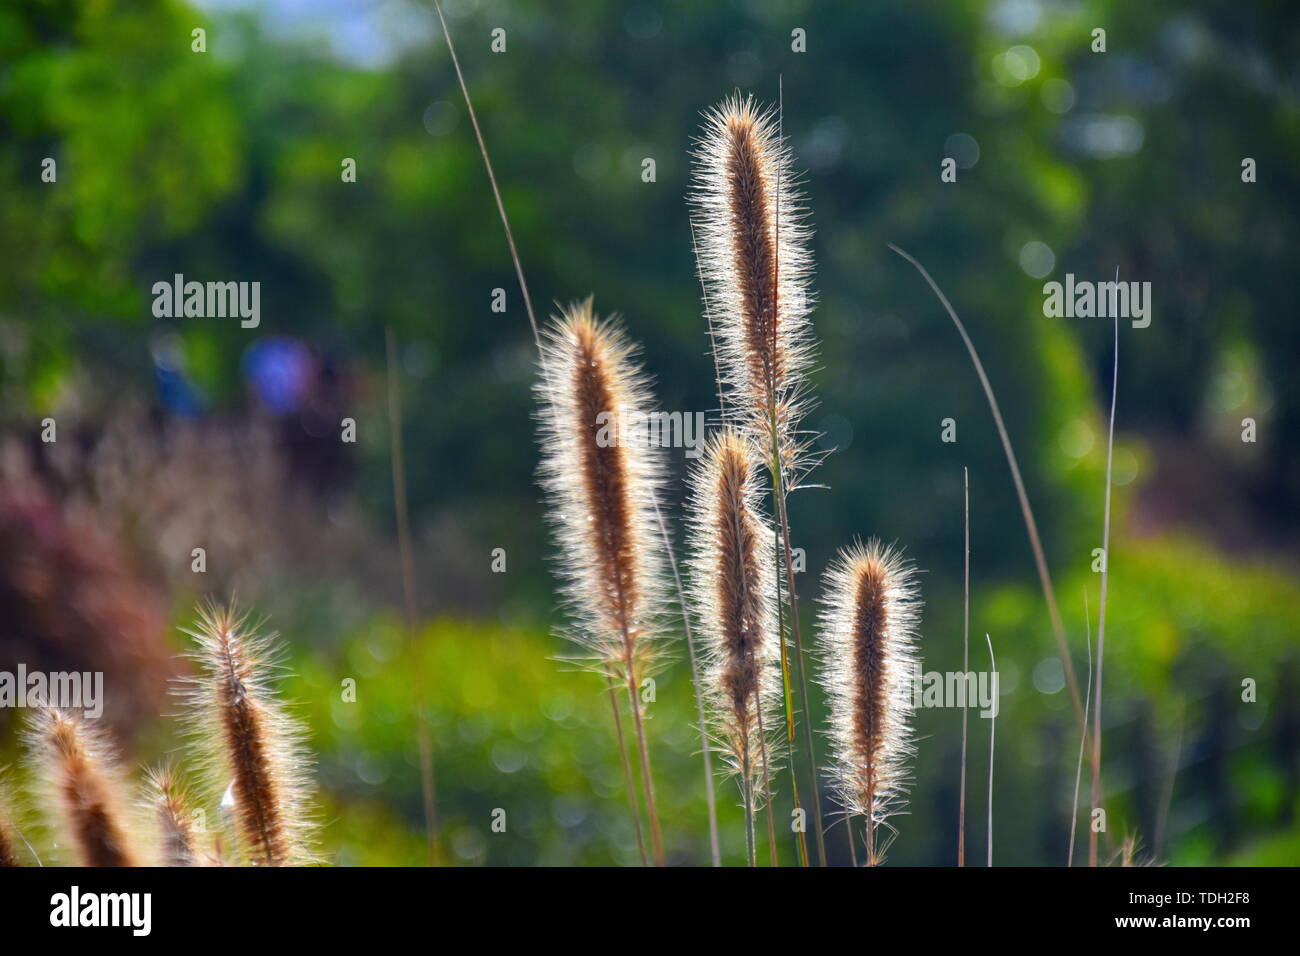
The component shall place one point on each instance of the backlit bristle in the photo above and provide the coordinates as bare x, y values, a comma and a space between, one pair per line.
733, 594
868, 649
601, 478
80, 771
166, 802
250, 746
754, 261
601, 474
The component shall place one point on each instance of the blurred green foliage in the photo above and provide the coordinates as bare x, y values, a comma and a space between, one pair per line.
513, 728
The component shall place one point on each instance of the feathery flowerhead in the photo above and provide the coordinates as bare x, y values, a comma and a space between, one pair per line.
868, 647
733, 595
80, 770
752, 246
601, 479
165, 800
250, 747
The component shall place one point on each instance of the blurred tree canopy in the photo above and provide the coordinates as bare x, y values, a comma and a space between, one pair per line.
227, 164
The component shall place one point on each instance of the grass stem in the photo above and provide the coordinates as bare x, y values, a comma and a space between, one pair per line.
993, 730
627, 773
537, 339
647, 779
397, 462
965, 666
1101, 610
1031, 526
1083, 738
715, 851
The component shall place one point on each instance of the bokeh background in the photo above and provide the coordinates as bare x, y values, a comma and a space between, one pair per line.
225, 165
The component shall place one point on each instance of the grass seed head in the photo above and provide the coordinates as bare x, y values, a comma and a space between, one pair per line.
753, 234
78, 768
166, 801
601, 478
868, 650
733, 596
248, 744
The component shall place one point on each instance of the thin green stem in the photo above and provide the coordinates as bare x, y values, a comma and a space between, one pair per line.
767, 784
1083, 738
780, 631
647, 779
786, 559
1101, 609
397, 461
784, 524
993, 730
965, 668
1031, 526
627, 773
537, 339
1026, 511
747, 787
715, 850
871, 825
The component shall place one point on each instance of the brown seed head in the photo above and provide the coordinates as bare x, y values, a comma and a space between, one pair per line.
754, 261
80, 770
868, 648
166, 800
249, 745
733, 595
601, 477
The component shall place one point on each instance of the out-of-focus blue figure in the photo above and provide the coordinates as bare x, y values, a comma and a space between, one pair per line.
280, 371
177, 394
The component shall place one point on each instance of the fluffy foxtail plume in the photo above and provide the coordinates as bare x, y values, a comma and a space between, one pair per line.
165, 799
601, 477
80, 770
755, 266
250, 746
868, 643
733, 594
754, 262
